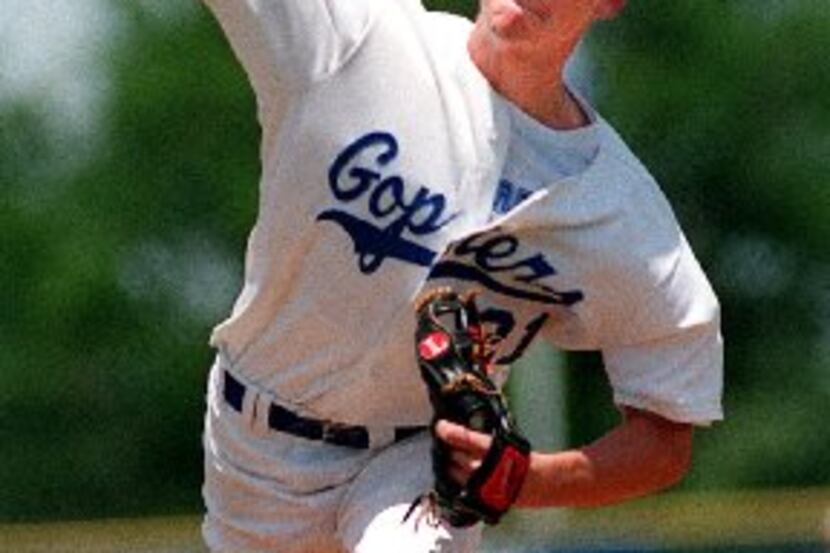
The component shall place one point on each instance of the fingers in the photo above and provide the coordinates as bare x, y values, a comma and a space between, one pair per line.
462, 438
467, 449
462, 466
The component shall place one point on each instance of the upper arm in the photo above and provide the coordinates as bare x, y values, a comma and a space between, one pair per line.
293, 41
678, 376
660, 325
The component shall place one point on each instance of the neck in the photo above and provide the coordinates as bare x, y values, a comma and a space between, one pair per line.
547, 101
541, 94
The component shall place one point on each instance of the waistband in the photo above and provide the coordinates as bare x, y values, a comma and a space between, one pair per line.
281, 419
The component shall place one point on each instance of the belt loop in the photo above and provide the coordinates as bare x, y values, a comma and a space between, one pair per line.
258, 421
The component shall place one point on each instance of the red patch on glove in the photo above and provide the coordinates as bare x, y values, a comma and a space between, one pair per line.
505, 482
435, 344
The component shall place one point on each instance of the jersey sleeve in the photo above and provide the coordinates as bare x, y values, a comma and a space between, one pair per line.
671, 362
294, 42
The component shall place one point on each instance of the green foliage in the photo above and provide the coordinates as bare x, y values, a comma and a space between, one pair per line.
120, 254
466, 8
115, 272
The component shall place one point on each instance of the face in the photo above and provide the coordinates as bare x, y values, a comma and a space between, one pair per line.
526, 19
534, 29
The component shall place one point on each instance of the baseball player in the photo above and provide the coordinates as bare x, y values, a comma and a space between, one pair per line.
404, 150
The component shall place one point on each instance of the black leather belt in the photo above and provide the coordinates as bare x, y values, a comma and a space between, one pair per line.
283, 420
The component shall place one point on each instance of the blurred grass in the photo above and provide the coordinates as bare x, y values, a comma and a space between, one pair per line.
676, 520
747, 521
151, 535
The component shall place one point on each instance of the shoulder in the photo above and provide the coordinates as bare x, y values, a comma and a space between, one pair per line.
648, 275
412, 30
440, 29
644, 217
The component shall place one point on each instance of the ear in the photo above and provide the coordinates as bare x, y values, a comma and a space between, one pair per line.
609, 9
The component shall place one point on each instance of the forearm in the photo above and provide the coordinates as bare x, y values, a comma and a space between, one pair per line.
642, 455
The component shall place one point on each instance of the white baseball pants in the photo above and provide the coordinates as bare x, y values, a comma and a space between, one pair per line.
268, 491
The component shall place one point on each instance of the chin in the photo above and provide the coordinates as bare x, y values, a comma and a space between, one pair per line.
507, 20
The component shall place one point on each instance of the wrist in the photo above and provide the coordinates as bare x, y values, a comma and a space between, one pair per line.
537, 488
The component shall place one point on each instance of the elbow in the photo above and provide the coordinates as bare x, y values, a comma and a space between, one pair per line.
676, 458
668, 445
676, 470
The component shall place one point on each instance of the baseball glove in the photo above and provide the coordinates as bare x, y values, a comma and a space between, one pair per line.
453, 356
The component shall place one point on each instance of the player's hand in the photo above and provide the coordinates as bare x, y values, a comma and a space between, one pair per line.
468, 449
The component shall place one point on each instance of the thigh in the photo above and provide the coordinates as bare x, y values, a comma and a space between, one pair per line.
249, 513
372, 513
267, 491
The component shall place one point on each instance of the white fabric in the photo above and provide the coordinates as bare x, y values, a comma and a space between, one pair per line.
663, 353
325, 313
319, 323
538, 155
602, 265
273, 492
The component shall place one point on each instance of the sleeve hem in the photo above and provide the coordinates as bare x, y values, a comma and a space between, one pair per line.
700, 414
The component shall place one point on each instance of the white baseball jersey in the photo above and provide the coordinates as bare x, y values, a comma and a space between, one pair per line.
383, 159
584, 250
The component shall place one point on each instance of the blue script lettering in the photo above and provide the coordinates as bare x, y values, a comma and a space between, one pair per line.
393, 214
483, 257
508, 196
490, 251
503, 323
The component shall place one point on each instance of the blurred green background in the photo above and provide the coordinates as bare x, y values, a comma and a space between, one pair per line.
128, 171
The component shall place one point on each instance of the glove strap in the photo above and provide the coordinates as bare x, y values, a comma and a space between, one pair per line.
496, 484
